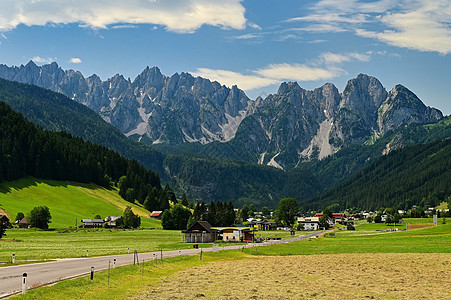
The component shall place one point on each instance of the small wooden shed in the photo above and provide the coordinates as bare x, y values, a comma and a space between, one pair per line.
200, 232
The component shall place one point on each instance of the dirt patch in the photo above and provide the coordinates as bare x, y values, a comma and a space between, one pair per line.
411, 226
334, 276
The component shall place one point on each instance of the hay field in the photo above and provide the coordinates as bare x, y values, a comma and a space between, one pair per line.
327, 276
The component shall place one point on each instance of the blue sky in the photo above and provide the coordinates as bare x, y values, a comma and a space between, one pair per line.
254, 44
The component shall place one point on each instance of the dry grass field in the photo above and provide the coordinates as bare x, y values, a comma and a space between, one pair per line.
327, 276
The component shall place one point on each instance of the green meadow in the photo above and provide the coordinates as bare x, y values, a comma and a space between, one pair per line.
68, 202
368, 238
28, 244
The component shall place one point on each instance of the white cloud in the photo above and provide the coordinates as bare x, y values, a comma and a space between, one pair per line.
75, 60
327, 66
249, 36
183, 16
126, 26
298, 72
253, 25
427, 28
42, 60
421, 25
230, 78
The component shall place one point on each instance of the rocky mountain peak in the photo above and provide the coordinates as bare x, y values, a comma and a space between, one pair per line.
403, 107
286, 87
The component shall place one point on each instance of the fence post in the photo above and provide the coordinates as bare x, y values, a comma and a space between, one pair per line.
24, 283
109, 263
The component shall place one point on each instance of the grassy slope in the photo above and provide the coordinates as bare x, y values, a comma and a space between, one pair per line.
66, 201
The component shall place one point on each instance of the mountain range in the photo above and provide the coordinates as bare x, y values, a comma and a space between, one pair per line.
206, 139
187, 114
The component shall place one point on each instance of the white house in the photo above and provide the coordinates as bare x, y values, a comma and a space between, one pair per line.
310, 223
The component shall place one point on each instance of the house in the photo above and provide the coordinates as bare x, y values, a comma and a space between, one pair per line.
92, 223
310, 223
337, 218
262, 225
24, 223
111, 221
156, 214
235, 234
200, 232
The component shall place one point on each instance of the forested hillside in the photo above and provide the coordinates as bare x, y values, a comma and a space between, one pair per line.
414, 175
242, 183
56, 112
27, 150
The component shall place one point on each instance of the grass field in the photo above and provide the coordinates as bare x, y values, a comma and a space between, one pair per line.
67, 202
330, 276
40, 245
367, 240
28, 244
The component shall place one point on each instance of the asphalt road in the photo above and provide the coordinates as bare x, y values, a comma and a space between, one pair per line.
50, 272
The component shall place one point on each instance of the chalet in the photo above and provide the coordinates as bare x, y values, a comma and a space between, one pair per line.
200, 232
24, 223
156, 214
310, 223
92, 223
235, 234
111, 221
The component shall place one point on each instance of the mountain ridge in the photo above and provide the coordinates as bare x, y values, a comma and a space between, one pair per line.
282, 130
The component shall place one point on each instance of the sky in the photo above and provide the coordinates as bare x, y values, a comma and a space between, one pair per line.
255, 44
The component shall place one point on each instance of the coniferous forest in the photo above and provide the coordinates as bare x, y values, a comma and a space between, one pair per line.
27, 150
414, 175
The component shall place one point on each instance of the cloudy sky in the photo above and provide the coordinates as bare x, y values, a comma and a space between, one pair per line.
255, 44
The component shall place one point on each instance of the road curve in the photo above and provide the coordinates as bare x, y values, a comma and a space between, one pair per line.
39, 274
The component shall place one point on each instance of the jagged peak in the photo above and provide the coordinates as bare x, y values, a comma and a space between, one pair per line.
31, 64
399, 89
363, 79
285, 87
